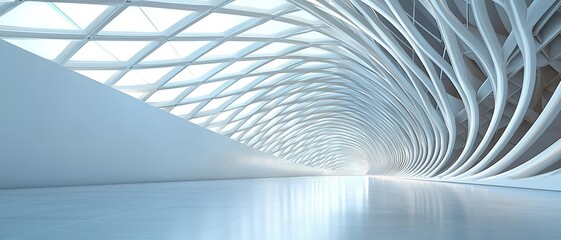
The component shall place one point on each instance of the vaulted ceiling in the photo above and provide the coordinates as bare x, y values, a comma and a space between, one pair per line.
449, 89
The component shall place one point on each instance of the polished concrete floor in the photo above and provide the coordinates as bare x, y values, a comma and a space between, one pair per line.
281, 208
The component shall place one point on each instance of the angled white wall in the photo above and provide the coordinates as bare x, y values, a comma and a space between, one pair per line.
59, 128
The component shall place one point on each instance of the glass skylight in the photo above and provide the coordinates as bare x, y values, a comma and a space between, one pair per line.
143, 76
270, 29
228, 49
303, 16
134, 94
166, 95
184, 109
193, 73
312, 65
46, 48
223, 116
201, 60
145, 19
190, 2
237, 68
133, 19
173, 50
273, 49
252, 116
206, 89
164, 18
274, 79
246, 98
101, 76
215, 24
276, 64
109, 50
240, 84
248, 110
312, 51
232, 126
201, 121
45, 15
215, 104
92, 51
269, 6
272, 113
81, 14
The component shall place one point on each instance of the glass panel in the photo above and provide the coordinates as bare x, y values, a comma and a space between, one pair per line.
164, 52
165, 95
98, 75
314, 65
132, 19
276, 65
312, 51
215, 129
272, 49
246, 98
186, 48
270, 29
81, 14
193, 72
273, 113
92, 52
223, 116
163, 18
174, 50
234, 136
312, 36
201, 121
240, 84
303, 16
230, 49
248, 110
134, 94
44, 15
45, 48
237, 68
145, 19
143, 76
215, 24
206, 89
231, 126
123, 50
215, 104
274, 79
268, 6
250, 122
312, 75
250, 133
190, 2
108, 50
184, 109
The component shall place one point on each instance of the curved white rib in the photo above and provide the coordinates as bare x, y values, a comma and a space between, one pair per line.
461, 90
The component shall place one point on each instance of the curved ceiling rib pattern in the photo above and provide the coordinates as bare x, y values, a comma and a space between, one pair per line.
429, 88
477, 81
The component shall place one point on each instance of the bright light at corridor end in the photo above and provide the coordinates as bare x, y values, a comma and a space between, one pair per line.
453, 89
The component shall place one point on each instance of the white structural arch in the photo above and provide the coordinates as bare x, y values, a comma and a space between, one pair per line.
457, 89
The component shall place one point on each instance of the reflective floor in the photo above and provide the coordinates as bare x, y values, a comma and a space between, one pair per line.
281, 208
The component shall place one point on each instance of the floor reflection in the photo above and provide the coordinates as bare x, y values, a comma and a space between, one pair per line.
281, 208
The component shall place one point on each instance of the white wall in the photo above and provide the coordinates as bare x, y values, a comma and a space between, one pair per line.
59, 128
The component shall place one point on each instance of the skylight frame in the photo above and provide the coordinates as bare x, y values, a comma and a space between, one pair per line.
114, 70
